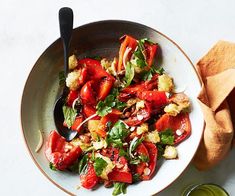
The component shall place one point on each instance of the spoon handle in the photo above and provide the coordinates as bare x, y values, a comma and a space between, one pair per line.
66, 27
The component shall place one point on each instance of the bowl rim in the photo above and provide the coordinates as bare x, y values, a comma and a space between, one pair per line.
76, 29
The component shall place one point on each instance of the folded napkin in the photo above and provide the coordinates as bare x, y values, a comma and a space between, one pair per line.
217, 100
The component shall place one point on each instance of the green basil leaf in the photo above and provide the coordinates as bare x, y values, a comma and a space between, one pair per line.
147, 40
62, 78
119, 188
118, 131
139, 159
52, 166
117, 134
124, 153
136, 178
167, 137
99, 165
160, 150
147, 75
111, 101
74, 167
82, 166
143, 158
69, 115
117, 143
134, 161
129, 74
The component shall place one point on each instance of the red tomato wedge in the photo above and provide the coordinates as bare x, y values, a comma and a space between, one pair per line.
89, 179
111, 117
89, 110
71, 97
95, 70
104, 88
152, 151
134, 90
58, 153
141, 150
140, 117
128, 42
77, 123
157, 98
150, 50
87, 93
181, 122
120, 176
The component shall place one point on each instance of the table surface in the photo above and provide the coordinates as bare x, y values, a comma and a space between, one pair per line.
27, 28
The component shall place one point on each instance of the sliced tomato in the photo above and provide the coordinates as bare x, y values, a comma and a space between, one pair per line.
104, 88
88, 178
71, 97
141, 150
127, 42
95, 69
141, 116
120, 176
181, 122
58, 153
76, 124
111, 152
133, 91
150, 50
152, 151
156, 98
87, 93
111, 117
83, 76
89, 110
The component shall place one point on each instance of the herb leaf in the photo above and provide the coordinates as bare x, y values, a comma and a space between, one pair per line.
124, 153
119, 187
62, 78
69, 115
136, 177
119, 131
74, 167
82, 166
167, 137
139, 159
111, 101
147, 40
147, 75
129, 74
160, 150
99, 165
52, 166
117, 134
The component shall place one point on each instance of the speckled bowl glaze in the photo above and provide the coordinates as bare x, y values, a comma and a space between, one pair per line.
102, 38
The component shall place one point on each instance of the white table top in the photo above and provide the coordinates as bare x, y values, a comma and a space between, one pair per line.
28, 27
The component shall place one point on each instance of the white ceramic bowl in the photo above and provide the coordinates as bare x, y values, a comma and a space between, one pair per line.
102, 38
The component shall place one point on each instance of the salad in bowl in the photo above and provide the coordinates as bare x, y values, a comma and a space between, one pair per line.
127, 115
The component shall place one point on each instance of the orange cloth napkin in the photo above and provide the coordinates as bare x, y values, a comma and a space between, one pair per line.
217, 100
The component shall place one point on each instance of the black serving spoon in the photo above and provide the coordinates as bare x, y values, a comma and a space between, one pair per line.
66, 27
